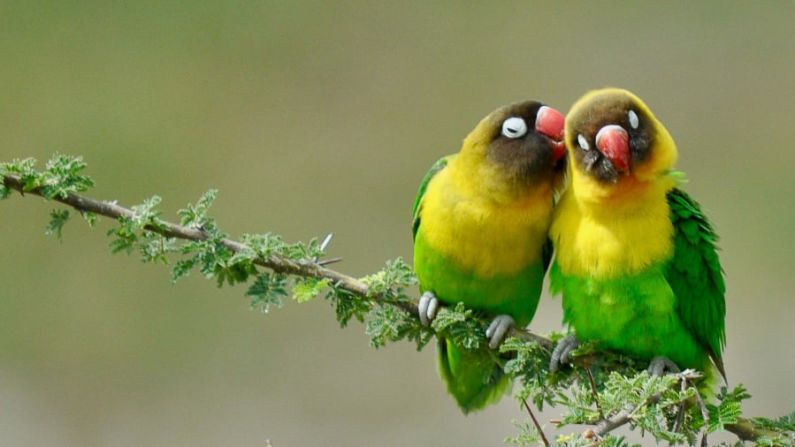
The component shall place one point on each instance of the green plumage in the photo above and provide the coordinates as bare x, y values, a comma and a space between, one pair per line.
674, 308
696, 277
473, 377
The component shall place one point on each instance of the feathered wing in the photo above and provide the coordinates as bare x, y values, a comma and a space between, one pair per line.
696, 277
417, 210
472, 377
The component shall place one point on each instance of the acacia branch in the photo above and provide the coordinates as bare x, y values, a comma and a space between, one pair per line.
304, 269
625, 416
745, 429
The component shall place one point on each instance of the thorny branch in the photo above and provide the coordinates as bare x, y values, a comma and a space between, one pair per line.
306, 269
745, 429
623, 417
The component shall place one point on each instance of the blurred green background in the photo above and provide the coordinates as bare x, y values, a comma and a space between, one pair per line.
318, 117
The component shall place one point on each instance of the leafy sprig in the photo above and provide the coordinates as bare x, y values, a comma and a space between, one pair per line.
604, 390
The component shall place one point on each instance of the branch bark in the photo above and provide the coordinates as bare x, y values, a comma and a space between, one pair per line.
306, 269
623, 417
745, 429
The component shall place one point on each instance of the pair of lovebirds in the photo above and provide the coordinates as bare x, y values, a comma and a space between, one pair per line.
634, 257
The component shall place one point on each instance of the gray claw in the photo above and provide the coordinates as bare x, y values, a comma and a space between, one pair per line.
427, 308
561, 355
499, 326
660, 365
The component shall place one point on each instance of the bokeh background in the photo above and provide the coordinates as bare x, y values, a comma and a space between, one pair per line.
313, 117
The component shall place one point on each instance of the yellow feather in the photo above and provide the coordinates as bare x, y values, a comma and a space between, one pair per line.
605, 230
619, 237
511, 226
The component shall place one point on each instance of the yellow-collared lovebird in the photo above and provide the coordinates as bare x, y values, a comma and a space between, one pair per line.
635, 258
481, 219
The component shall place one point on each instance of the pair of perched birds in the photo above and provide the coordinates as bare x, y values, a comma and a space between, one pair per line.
634, 257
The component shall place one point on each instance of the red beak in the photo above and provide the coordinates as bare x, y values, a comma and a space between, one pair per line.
550, 123
613, 141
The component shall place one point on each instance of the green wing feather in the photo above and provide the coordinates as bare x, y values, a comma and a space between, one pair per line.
696, 277
472, 377
438, 166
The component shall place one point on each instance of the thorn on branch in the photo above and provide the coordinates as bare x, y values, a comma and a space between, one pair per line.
355, 296
325, 262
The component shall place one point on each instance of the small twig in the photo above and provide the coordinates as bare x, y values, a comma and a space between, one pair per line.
703, 407
593, 391
329, 261
305, 269
744, 428
607, 425
625, 416
704, 414
535, 422
680, 415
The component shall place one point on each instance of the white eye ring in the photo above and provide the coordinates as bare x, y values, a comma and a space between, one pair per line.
633, 119
583, 142
514, 127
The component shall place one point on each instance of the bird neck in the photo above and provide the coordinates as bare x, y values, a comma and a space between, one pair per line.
609, 232
629, 196
482, 180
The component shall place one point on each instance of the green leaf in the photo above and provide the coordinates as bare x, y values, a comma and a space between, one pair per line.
58, 219
195, 216
384, 325
145, 213
267, 291
62, 177
91, 218
268, 244
458, 324
308, 289
391, 281
124, 236
347, 305
390, 324
528, 435
156, 248
182, 268
726, 413
783, 424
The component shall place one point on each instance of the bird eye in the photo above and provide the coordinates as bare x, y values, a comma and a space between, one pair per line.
633, 119
583, 142
514, 127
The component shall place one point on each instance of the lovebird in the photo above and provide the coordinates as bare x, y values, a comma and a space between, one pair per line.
481, 219
635, 257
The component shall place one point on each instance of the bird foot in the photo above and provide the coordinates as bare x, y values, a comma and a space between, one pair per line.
427, 308
660, 365
497, 330
561, 355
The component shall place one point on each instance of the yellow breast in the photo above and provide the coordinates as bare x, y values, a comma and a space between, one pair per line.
483, 236
614, 237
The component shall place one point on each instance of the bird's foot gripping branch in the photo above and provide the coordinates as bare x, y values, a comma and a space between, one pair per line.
603, 391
